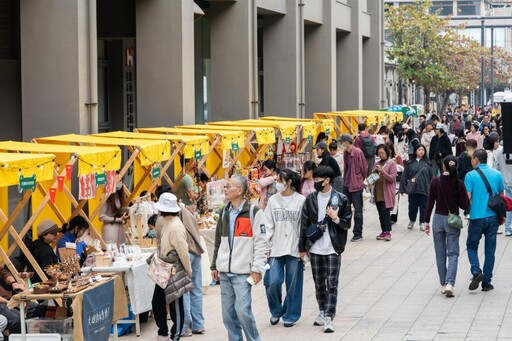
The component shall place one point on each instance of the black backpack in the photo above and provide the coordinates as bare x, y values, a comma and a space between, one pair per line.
368, 146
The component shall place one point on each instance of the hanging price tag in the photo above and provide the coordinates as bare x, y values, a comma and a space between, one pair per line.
287, 139
26, 183
155, 173
197, 155
327, 131
100, 179
310, 138
234, 146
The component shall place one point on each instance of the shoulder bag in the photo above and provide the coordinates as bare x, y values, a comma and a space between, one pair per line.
410, 186
160, 271
454, 220
496, 203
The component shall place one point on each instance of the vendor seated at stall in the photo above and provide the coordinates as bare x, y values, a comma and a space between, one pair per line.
74, 230
41, 248
8, 287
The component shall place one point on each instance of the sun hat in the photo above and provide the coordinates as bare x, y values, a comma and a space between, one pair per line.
47, 226
168, 203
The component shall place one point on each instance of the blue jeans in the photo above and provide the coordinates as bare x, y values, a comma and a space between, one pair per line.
489, 228
417, 201
446, 245
193, 301
508, 221
291, 309
235, 293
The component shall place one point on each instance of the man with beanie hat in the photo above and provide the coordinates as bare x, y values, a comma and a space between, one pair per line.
354, 171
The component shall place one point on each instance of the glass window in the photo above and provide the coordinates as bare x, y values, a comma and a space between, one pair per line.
468, 8
444, 7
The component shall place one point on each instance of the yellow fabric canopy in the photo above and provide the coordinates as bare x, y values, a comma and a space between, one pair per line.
192, 143
284, 128
89, 158
228, 138
264, 135
326, 124
152, 151
12, 165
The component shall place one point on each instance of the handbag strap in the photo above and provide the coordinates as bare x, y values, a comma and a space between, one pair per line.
416, 175
486, 182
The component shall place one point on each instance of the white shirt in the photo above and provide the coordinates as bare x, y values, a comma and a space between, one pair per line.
323, 246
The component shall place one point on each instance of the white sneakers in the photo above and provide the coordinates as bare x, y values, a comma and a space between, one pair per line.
449, 290
411, 225
422, 226
443, 289
328, 326
320, 319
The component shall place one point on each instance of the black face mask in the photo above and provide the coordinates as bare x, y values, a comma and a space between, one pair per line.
319, 186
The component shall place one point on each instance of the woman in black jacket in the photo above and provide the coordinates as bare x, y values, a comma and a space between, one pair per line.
440, 147
419, 171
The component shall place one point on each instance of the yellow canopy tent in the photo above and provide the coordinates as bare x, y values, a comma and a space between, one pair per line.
262, 137
90, 160
149, 154
224, 150
24, 171
322, 125
347, 121
192, 147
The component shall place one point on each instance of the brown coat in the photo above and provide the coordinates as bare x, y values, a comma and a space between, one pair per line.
190, 223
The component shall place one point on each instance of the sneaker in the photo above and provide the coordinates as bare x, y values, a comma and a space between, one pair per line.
274, 320
508, 233
449, 290
443, 289
422, 226
410, 225
328, 326
487, 286
381, 236
320, 319
357, 239
387, 237
475, 282
288, 324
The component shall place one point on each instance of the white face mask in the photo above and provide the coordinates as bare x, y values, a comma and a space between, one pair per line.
280, 187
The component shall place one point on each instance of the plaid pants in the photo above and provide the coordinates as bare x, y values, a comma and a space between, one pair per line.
326, 271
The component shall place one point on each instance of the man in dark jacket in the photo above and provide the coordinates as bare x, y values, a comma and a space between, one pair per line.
325, 253
440, 146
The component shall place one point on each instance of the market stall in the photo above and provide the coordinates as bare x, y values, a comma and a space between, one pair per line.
57, 199
95, 307
224, 149
148, 154
347, 121
325, 125
23, 171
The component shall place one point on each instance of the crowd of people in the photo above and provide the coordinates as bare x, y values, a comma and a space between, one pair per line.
444, 163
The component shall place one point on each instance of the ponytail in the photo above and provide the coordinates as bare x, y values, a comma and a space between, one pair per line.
450, 164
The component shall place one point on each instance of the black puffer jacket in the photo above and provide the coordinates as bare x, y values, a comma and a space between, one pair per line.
440, 147
337, 232
44, 256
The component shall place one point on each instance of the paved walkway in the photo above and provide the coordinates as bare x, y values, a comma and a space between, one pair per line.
388, 291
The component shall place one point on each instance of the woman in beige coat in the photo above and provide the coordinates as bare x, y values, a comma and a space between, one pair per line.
113, 218
172, 248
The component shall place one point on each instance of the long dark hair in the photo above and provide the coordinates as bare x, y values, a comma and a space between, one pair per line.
287, 174
450, 164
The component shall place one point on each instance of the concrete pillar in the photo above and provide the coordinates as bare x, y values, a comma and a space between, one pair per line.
349, 57
320, 63
54, 67
165, 62
281, 55
10, 99
373, 60
231, 59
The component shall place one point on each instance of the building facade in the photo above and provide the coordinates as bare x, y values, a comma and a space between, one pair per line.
81, 66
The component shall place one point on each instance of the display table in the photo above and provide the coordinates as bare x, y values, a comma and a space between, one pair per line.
140, 287
120, 304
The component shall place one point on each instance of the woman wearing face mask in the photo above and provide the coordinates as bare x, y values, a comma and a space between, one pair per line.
113, 218
267, 182
74, 230
283, 231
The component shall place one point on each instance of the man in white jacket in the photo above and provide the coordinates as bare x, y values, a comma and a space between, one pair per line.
238, 259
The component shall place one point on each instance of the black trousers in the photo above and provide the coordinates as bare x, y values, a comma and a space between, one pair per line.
384, 216
175, 309
356, 199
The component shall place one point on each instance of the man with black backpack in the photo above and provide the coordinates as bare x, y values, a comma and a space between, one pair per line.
484, 185
368, 145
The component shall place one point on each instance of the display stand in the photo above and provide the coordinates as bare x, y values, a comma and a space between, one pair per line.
146, 152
